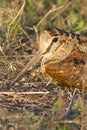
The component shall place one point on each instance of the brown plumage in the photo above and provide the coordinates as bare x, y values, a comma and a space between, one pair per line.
64, 57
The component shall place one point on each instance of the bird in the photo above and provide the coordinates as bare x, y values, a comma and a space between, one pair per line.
63, 57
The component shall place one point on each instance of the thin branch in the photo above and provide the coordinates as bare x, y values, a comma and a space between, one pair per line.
16, 56
61, 9
23, 93
70, 104
26, 34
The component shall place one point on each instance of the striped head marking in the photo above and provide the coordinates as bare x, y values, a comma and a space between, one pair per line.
56, 43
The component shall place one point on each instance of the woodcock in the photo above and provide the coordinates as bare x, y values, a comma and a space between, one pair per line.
64, 57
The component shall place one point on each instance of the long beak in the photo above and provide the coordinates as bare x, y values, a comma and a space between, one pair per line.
33, 61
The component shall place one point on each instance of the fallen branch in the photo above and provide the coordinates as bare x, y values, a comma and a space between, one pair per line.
23, 93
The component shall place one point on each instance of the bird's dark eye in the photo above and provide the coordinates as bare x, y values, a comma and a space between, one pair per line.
55, 39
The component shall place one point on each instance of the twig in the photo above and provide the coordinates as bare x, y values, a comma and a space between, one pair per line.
26, 34
70, 104
23, 93
36, 31
60, 8
76, 121
16, 56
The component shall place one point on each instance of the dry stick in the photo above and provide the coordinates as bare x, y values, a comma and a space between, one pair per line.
70, 104
76, 121
23, 93
16, 56
28, 66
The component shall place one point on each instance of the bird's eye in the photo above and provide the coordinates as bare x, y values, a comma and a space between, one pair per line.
55, 39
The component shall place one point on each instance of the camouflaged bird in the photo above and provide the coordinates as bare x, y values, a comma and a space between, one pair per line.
64, 57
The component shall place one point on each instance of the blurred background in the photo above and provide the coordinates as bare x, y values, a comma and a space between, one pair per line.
67, 14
